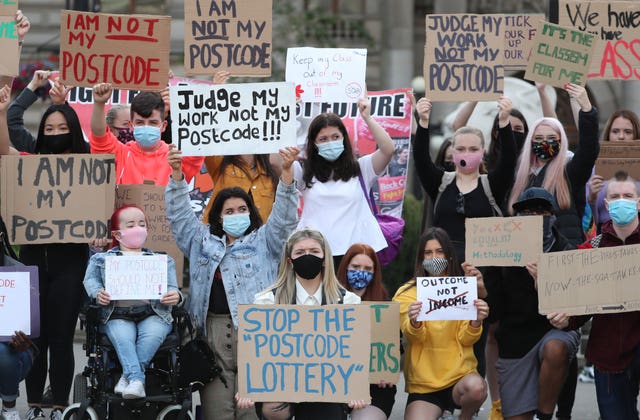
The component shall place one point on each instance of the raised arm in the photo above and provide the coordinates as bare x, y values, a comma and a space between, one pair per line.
430, 176
502, 176
5, 148
21, 138
580, 166
548, 110
463, 114
101, 94
383, 155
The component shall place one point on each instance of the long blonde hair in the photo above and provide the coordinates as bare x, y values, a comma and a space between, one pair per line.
555, 180
285, 285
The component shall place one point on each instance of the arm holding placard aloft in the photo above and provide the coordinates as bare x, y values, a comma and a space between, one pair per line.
5, 144
430, 176
21, 138
382, 156
101, 143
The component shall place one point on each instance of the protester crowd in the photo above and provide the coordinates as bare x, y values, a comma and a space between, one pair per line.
253, 246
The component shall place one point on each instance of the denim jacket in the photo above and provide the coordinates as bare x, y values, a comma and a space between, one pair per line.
94, 281
248, 265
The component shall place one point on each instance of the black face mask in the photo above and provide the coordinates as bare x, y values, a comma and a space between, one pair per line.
307, 266
519, 138
57, 143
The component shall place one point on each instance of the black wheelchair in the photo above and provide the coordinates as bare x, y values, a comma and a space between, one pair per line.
93, 395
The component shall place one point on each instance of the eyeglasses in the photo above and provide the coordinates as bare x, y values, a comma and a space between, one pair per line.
460, 204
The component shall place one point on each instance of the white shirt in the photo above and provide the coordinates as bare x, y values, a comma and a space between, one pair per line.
340, 210
303, 298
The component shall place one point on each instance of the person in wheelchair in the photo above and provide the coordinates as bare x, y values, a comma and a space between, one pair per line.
136, 328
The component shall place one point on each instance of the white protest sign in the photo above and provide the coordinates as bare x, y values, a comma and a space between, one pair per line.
447, 298
136, 276
15, 303
328, 74
233, 119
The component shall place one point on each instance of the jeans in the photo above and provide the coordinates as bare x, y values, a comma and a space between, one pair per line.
13, 369
136, 343
617, 393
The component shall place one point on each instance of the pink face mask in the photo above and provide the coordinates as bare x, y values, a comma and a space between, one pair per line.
133, 237
467, 162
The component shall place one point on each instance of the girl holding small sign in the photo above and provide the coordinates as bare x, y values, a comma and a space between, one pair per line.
136, 328
440, 367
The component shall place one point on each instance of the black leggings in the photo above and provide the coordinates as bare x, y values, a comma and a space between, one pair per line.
61, 269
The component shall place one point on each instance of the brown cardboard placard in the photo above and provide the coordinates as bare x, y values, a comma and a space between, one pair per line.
589, 281
615, 24
150, 198
518, 31
560, 55
298, 353
503, 241
620, 149
8, 8
57, 198
233, 35
463, 57
607, 167
384, 364
128, 51
9, 64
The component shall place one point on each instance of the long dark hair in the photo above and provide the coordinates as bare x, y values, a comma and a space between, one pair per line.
78, 145
261, 160
215, 223
344, 168
494, 147
375, 290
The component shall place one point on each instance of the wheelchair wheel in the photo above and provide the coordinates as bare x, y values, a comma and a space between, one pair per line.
80, 388
71, 413
170, 412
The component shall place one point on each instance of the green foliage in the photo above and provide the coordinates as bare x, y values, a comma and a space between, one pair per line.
401, 269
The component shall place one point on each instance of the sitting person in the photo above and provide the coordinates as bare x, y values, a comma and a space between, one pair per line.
534, 357
440, 367
16, 358
144, 159
136, 328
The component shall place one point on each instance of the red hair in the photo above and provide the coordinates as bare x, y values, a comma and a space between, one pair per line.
115, 221
375, 291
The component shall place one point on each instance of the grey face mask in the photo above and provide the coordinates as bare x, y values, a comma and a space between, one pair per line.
435, 266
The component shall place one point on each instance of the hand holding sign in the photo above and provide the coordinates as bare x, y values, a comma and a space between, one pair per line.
5, 96
58, 92
579, 94
102, 92
504, 111
22, 25
423, 107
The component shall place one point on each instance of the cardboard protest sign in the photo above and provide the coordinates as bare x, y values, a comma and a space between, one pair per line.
301, 353
615, 25
135, 276
560, 55
384, 364
589, 281
233, 119
19, 301
463, 57
391, 109
8, 7
128, 51
9, 38
327, 74
228, 35
519, 31
150, 198
447, 298
503, 241
57, 198
617, 156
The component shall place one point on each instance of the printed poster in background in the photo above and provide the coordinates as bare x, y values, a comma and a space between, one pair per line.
463, 57
128, 51
615, 26
327, 74
447, 298
392, 110
228, 35
19, 301
9, 39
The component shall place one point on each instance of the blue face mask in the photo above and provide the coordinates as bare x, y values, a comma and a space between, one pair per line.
147, 136
235, 225
623, 211
331, 150
359, 279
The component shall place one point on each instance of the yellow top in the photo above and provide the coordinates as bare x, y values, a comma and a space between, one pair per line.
438, 353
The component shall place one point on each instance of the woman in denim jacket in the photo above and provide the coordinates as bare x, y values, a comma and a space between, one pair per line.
231, 259
136, 328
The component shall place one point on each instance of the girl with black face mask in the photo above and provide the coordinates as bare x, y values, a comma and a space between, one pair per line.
306, 277
61, 266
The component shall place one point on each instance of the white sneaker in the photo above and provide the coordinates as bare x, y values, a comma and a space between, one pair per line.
34, 413
56, 414
9, 415
135, 389
587, 374
122, 384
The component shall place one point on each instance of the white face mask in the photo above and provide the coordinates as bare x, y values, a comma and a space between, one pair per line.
435, 266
